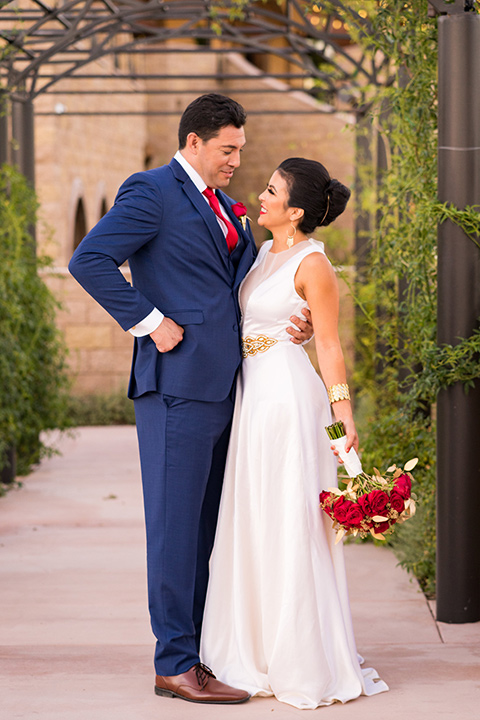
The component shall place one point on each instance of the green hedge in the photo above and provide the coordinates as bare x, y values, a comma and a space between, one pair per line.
33, 379
111, 409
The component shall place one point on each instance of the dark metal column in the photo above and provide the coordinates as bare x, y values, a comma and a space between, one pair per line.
458, 455
363, 229
28, 142
381, 169
363, 165
3, 127
23, 147
27, 157
16, 132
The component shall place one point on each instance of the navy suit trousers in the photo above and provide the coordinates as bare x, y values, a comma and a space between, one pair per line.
183, 446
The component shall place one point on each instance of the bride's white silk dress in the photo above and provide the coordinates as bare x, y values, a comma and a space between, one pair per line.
277, 618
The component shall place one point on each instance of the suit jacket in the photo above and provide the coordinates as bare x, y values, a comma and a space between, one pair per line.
180, 264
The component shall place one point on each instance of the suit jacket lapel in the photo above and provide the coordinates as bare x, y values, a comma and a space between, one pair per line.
211, 222
250, 249
233, 218
203, 208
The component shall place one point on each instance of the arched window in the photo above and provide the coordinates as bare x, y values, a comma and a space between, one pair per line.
148, 161
80, 227
103, 207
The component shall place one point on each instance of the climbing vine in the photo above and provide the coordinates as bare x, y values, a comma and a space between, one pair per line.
400, 367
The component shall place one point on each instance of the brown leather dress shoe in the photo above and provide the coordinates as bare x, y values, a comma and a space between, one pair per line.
199, 685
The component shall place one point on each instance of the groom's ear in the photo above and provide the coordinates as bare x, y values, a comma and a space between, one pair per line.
193, 143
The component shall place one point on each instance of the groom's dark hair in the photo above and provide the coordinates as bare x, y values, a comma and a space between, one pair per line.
207, 115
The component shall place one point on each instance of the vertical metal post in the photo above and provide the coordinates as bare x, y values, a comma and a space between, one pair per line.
3, 127
22, 145
16, 133
381, 169
458, 456
27, 156
363, 164
28, 142
363, 225
23, 148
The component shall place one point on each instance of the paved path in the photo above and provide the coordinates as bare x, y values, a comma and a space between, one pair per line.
75, 642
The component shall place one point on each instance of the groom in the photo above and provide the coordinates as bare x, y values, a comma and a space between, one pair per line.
187, 253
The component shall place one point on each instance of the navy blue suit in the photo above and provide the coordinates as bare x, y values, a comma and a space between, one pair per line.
180, 264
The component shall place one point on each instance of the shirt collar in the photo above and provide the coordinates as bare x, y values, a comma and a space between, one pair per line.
191, 172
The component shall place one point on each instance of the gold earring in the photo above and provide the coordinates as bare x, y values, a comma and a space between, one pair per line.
290, 238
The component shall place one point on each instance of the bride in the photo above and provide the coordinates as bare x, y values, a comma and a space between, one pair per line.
277, 618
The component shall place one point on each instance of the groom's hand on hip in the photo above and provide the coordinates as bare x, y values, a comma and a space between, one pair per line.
304, 328
167, 335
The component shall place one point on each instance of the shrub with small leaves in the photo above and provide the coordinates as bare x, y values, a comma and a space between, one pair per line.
33, 378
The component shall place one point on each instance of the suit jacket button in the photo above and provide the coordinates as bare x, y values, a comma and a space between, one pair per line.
235, 327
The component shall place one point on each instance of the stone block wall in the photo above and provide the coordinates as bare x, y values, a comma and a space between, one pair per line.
99, 350
86, 158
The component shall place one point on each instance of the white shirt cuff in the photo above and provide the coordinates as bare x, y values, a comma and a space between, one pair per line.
148, 324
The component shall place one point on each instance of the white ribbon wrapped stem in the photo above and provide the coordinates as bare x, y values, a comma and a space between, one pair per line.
351, 461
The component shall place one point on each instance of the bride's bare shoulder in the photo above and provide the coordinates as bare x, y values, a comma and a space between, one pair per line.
316, 266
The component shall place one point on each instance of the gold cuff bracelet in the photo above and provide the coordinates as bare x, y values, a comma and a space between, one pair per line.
338, 392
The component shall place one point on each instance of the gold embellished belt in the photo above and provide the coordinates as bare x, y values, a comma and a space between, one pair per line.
259, 344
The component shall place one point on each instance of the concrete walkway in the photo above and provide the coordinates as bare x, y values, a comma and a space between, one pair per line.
74, 627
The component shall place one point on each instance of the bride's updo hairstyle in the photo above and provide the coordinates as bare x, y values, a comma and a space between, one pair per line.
311, 188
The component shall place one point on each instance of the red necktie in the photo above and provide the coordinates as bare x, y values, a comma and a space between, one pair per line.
232, 235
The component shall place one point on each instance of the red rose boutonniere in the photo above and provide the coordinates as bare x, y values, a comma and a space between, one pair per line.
240, 212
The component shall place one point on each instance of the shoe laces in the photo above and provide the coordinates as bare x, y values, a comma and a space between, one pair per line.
203, 674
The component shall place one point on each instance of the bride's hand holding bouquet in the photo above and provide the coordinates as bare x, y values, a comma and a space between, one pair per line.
344, 415
344, 440
370, 504
346, 448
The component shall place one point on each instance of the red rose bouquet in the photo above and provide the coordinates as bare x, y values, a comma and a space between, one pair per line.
370, 504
